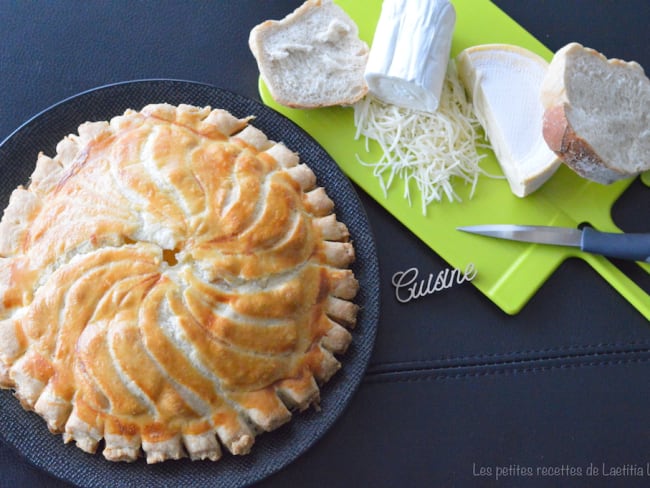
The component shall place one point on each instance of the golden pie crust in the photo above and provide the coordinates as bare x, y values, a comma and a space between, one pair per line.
172, 282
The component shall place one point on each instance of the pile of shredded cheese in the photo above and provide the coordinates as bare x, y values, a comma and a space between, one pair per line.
430, 149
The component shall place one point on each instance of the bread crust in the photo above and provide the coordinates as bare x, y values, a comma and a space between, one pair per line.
574, 151
577, 150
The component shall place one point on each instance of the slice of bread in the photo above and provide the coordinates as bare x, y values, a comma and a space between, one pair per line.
311, 58
597, 114
503, 82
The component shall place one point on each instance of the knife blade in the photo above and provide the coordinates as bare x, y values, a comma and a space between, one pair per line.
632, 246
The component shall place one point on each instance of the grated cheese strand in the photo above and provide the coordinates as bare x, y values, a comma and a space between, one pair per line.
428, 150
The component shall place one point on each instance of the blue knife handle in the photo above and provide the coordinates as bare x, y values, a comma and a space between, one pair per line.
635, 247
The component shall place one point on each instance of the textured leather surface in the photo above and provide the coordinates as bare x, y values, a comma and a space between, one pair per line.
454, 385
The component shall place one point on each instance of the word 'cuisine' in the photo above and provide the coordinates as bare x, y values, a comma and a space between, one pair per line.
408, 287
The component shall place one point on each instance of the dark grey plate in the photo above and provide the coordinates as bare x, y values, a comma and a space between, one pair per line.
272, 451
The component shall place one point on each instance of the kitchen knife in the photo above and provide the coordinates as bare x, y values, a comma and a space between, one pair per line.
635, 247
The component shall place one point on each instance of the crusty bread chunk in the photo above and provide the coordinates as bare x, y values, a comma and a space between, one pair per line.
597, 114
311, 58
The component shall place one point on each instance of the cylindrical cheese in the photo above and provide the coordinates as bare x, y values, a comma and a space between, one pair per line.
410, 52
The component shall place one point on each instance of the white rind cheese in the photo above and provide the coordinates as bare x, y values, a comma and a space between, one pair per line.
410, 51
504, 83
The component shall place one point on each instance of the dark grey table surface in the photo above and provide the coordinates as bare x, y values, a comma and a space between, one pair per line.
454, 385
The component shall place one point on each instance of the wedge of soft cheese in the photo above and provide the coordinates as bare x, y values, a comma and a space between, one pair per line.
504, 83
410, 52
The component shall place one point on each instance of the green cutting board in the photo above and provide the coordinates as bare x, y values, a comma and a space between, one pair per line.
509, 273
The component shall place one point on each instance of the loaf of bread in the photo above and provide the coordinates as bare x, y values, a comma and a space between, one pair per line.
311, 58
597, 114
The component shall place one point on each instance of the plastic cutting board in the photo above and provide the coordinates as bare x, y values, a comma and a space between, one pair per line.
509, 273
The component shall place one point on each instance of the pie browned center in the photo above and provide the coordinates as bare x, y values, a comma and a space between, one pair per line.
171, 282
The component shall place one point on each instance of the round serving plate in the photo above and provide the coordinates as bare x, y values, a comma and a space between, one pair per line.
27, 432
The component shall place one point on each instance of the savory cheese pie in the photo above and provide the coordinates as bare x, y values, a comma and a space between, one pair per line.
171, 282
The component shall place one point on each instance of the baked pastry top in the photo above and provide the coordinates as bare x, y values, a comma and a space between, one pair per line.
171, 282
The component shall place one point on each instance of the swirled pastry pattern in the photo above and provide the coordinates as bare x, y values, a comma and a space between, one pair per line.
172, 282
